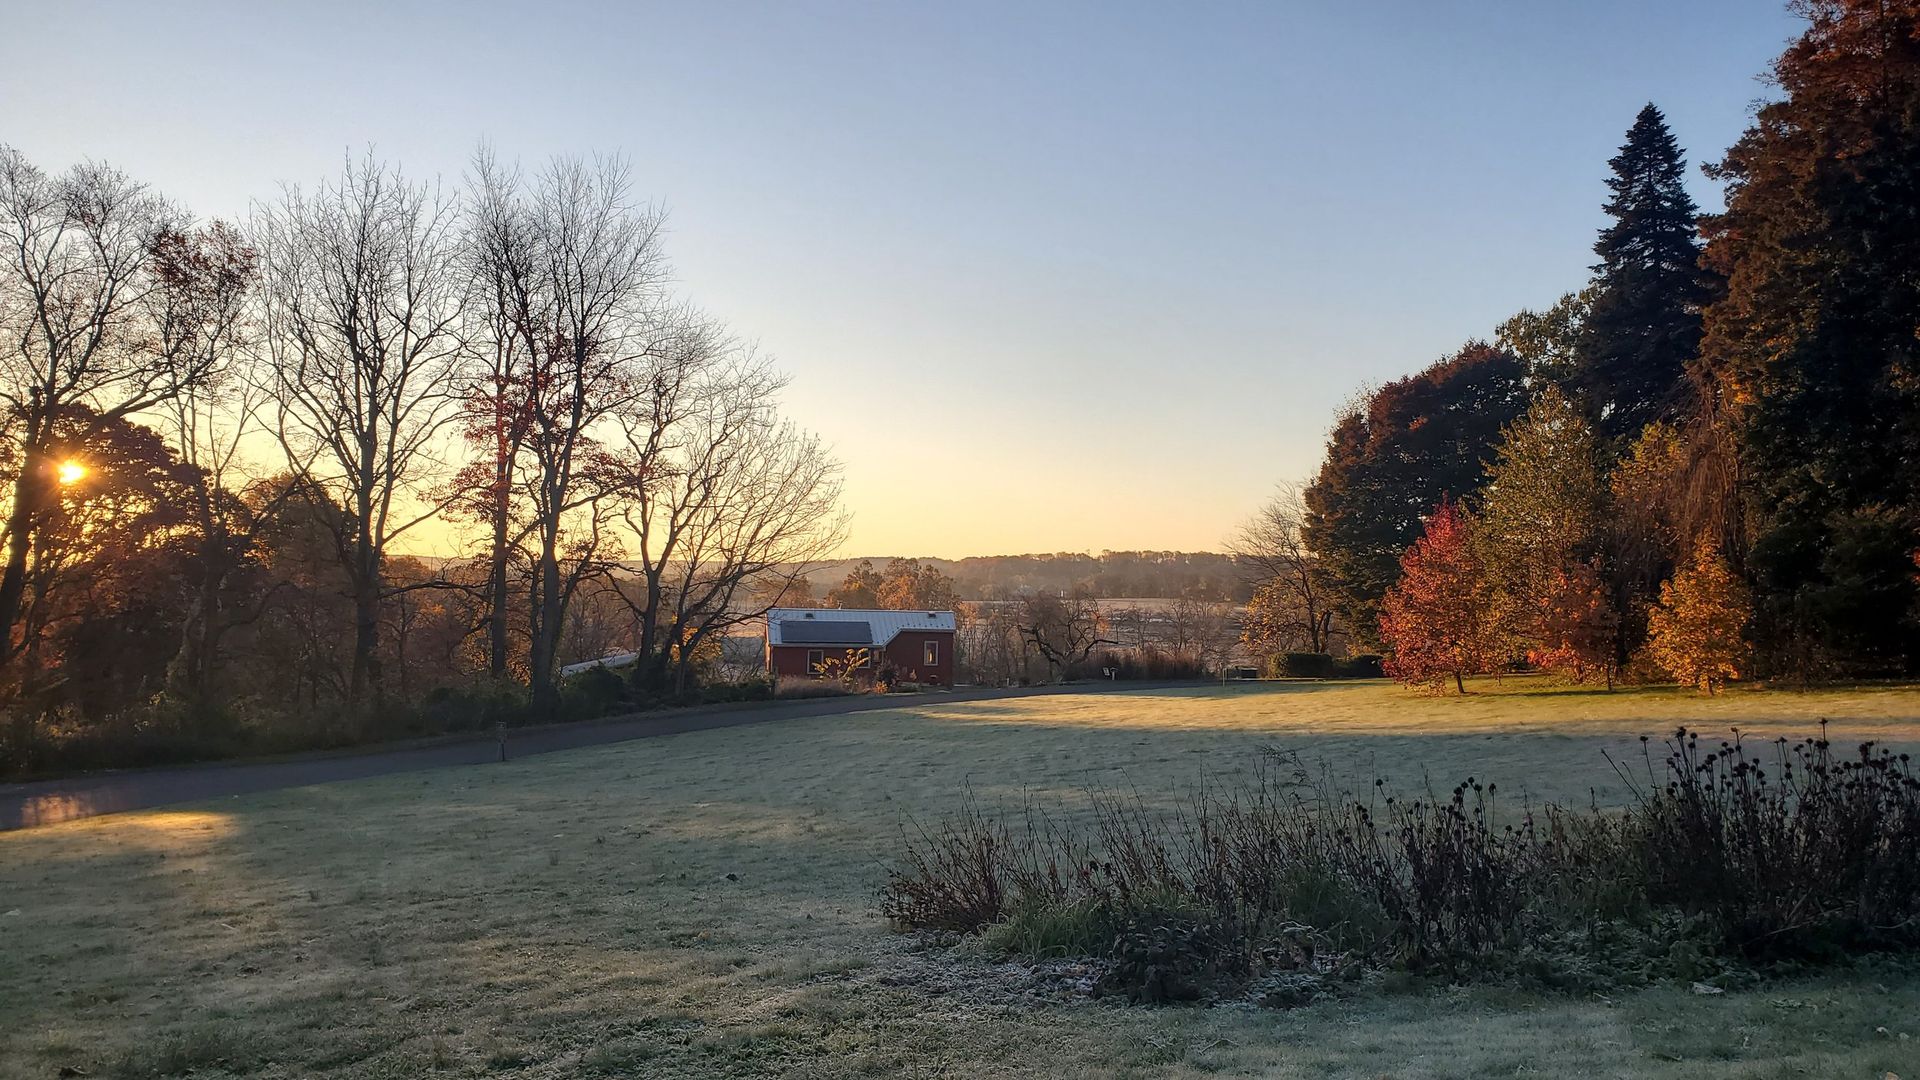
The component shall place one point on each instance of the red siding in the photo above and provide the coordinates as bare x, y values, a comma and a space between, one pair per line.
907, 654
792, 659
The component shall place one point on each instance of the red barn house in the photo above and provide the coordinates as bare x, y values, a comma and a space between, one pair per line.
917, 645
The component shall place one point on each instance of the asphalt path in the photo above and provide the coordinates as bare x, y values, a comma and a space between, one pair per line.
45, 802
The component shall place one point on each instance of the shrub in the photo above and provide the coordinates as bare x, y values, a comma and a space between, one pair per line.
1303, 665
594, 692
957, 877
1810, 853
474, 707
849, 670
1360, 666
756, 688
139, 741
1719, 862
1241, 876
1149, 662
1171, 953
1308, 665
167, 732
799, 686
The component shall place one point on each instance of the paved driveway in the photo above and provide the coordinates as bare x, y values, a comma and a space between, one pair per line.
43, 802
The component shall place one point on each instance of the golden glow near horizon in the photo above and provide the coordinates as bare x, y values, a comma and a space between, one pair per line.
72, 472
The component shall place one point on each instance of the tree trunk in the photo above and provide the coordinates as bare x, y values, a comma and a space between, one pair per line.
188, 674
650, 666
30, 493
363, 688
683, 664
548, 611
497, 596
651, 672
402, 627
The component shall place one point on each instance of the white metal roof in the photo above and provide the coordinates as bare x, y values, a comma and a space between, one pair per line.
614, 660
886, 625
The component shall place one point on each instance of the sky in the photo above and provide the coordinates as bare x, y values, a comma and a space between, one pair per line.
1046, 276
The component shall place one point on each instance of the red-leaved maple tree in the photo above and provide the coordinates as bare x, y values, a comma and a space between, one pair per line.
1439, 621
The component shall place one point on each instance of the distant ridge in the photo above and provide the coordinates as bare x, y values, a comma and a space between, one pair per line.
1106, 574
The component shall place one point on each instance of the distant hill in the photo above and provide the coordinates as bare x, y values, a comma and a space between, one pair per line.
1109, 574
1205, 575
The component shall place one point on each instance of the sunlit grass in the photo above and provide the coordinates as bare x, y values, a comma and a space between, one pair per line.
158, 829
704, 905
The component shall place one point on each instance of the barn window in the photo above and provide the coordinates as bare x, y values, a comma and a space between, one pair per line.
932, 654
816, 659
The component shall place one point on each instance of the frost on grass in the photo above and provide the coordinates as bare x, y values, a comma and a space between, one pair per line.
1729, 863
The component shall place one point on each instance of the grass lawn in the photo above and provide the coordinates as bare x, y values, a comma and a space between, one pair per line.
704, 905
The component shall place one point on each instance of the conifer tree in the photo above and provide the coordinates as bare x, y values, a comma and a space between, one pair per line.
1541, 513
1643, 327
1813, 351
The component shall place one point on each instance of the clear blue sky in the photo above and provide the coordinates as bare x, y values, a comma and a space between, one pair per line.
1048, 276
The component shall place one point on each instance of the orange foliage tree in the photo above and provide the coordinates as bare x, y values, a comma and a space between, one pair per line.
1694, 632
1440, 621
1578, 628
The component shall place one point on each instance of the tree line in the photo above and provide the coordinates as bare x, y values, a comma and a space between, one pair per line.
1040, 635
222, 439
1703, 464
1107, 574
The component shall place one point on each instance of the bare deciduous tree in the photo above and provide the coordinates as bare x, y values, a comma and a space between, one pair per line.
494, 413
1205, 630
1063, 629
363, 302
723, 502
989, 648
1293, 602
573, 275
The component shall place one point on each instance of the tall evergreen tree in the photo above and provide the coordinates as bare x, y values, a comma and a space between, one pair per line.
1813, 350
1643, 328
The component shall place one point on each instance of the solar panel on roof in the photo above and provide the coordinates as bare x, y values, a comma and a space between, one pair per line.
824, 632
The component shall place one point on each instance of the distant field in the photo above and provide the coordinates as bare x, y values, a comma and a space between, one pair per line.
704, 905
